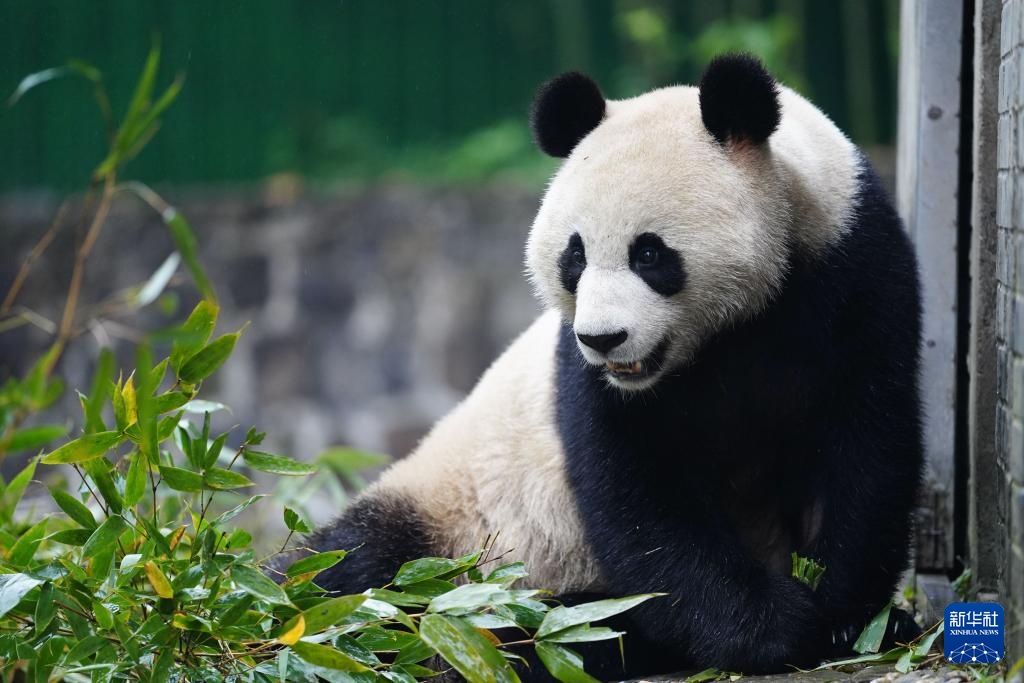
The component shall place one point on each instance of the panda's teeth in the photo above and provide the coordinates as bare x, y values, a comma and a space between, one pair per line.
622, 368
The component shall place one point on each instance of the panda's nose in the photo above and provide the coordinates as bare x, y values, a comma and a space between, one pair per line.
603, 342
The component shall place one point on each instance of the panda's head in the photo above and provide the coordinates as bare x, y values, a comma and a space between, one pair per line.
666, 222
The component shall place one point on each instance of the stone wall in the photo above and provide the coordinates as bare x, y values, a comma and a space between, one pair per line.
1009, 500
371, 312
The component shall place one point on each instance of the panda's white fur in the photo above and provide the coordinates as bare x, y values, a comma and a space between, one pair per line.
494, 465
732, 211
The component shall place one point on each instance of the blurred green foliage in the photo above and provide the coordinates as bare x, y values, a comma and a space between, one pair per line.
419, 90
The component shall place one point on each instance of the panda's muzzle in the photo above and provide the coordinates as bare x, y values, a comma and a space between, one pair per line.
639, 369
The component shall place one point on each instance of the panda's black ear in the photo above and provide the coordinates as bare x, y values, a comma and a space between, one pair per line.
739, 99
564, 110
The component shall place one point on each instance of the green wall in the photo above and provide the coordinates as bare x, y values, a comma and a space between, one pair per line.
347, 87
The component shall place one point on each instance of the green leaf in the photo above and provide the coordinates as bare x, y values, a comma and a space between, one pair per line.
807, 571
237, 510
100, 391
206, 361
258, 585
86, 647
86, 447
74, 537
470, 597
105, 536
225, 480
181, 480
45, 608
104, 617
424, 568
275, 464
157, 282
906, 662
327, 657
924, 646
561, 618
74, 508
316, 562
466, 649
29, 82
13, 587
871, 658
507, 574
11, 495
99, 471
583, 634
143, 89
135, 481
172, 400
326, 614
294, 522
185, 241
23, 551
213, 452
870, 639
33, 438
563, 663
194, 333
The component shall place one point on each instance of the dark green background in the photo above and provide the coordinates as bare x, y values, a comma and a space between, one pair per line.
358, 88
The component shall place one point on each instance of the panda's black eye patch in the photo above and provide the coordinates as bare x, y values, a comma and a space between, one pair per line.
572, 263
660, 266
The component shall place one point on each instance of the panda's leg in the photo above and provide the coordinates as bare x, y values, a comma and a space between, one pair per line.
381, 531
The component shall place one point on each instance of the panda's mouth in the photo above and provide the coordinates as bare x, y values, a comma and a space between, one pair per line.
637, 370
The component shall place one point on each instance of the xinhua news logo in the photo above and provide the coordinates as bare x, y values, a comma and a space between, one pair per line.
973, 633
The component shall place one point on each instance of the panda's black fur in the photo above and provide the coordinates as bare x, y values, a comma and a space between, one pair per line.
796, 429
810, 401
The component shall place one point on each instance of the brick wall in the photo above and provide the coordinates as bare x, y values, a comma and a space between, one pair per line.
1009, 500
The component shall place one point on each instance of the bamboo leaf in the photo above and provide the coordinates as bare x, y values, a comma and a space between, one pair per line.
276, 464
563, 663
258, 585
185, 241
870, 639
180, 479
327, 657
467, 650
74, 508
316, 562
105, 536
193, 333
225, 480
86, 447
158, 580
292, 635
208, 359
561, 618
13, 587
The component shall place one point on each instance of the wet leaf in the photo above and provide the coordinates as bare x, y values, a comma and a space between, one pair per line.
561, 618
464, 648
563, 663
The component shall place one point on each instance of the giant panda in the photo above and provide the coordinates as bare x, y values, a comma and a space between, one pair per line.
726, 373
